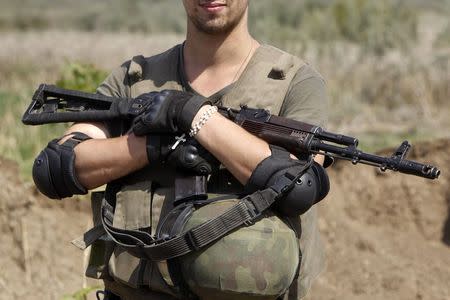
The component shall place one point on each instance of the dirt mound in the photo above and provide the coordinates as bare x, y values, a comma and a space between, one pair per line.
387, 235
36, 260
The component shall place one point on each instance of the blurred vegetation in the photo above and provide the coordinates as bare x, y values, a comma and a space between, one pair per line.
443, 39
18, 142
376, 24
82, 77
81, 294
21, 143
153, 16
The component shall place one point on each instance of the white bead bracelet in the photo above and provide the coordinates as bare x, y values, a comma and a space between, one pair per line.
205, 117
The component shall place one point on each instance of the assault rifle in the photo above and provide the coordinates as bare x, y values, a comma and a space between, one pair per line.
51, 104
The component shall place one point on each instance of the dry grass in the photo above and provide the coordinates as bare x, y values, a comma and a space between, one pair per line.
33, 57
402, 94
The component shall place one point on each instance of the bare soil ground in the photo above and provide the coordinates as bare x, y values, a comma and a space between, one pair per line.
36, 259
387, 235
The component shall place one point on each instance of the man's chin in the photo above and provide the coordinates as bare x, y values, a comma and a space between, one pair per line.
215, 27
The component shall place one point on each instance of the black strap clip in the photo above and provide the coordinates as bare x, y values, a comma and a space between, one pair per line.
191, 240
252, 210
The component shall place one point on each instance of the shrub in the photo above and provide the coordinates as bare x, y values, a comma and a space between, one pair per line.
376, 25
82, 77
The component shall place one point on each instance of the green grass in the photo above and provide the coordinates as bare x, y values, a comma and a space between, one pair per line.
22, 143
81, 77
81, 294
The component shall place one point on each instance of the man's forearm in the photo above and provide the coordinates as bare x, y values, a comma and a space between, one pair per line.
238, 150
99, 161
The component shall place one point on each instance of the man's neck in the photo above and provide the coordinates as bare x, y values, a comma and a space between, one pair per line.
214, 61
208, 50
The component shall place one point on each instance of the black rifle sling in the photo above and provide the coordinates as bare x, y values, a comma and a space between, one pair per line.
245, 212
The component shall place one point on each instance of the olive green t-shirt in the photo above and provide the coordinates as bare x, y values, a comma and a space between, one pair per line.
306, 100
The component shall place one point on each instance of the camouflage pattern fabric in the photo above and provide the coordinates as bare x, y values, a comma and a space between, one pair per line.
241, 265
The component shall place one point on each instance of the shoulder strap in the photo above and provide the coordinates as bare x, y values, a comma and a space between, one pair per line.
248, 210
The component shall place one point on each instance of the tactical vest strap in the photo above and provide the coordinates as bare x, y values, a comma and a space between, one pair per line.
247, 211
89, 237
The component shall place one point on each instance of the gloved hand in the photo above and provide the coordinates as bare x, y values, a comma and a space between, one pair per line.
189, 156
193, 157
159, 147
168, 111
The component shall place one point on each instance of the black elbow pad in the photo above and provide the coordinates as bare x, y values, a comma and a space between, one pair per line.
309, 189
54, 171
312, 186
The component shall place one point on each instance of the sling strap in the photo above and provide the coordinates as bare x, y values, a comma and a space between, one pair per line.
246, 211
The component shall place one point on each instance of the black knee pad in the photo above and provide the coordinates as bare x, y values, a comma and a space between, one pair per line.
54, 170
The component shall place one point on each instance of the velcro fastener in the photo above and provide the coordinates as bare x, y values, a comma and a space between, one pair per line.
189, 110
135, 70
67, 156
282, 66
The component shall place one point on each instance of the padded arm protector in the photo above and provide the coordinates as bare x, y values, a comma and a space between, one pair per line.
309, 189
54, 171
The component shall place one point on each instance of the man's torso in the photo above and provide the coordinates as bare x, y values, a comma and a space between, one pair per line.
272, 80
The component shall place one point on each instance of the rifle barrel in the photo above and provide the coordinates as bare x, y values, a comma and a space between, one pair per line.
394, 163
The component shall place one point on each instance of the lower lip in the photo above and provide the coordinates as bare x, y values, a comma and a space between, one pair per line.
213, 9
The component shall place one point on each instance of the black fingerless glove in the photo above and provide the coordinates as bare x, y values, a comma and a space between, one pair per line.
168, 111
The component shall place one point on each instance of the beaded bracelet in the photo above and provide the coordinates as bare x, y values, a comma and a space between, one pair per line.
205, 117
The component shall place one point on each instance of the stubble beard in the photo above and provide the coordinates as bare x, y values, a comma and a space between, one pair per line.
219, 25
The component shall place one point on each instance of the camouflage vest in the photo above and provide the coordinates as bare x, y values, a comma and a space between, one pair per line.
140, 202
